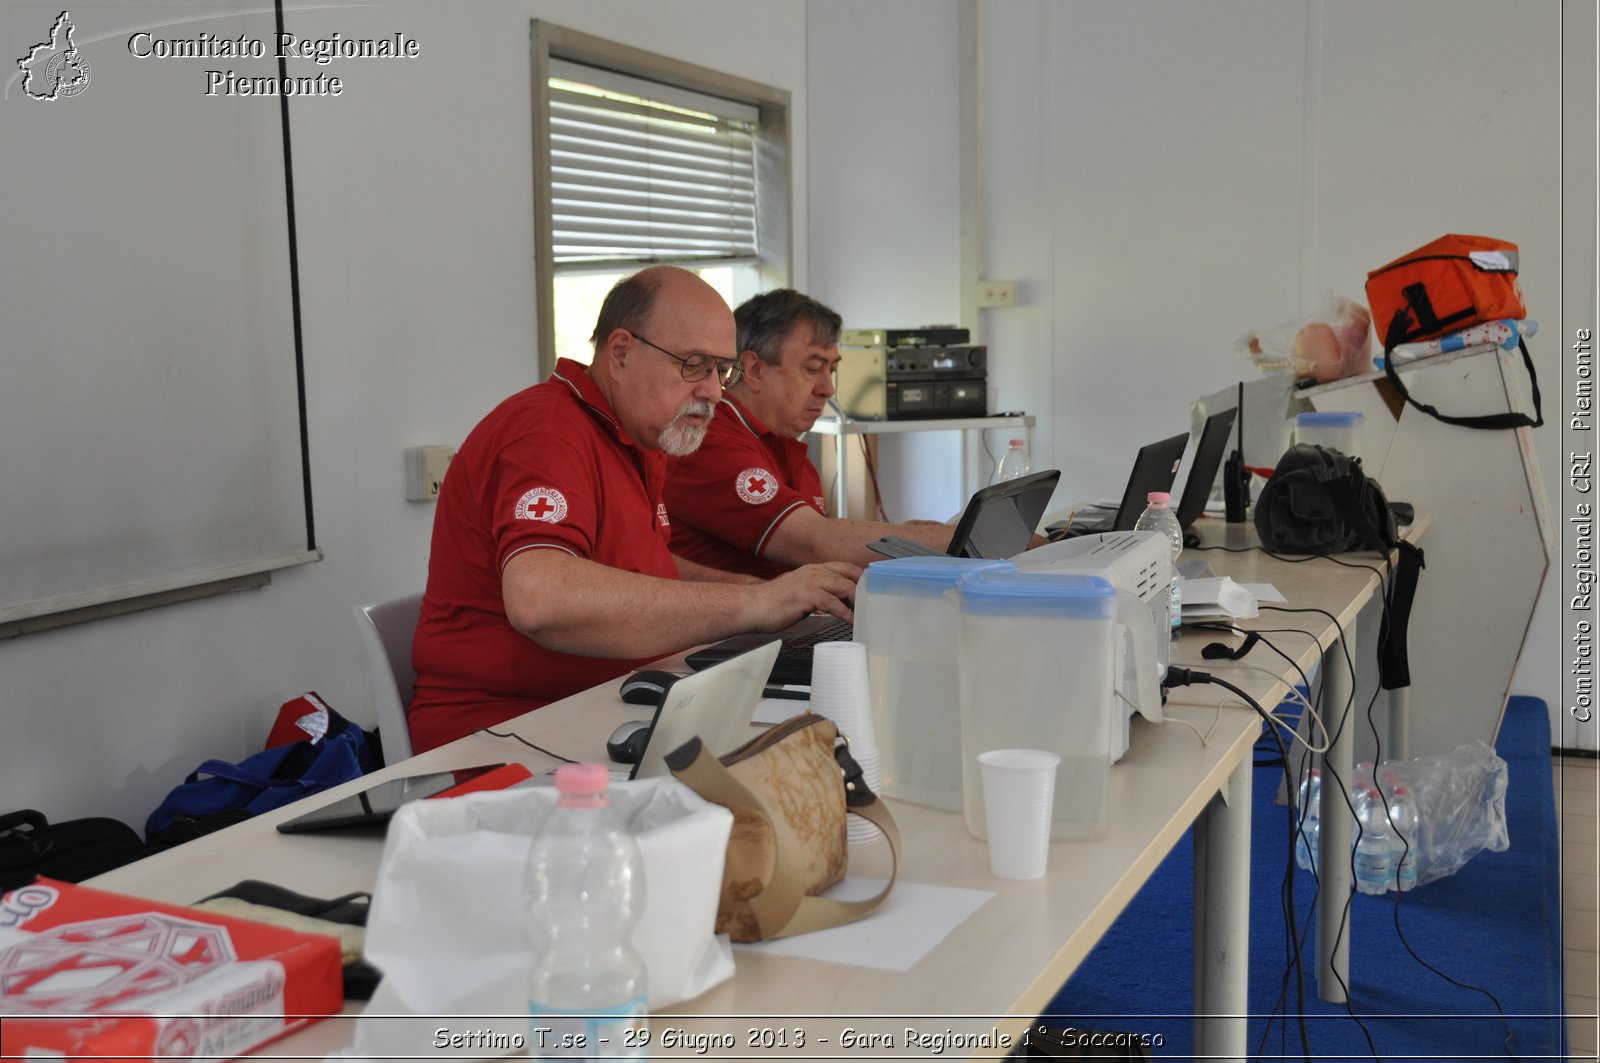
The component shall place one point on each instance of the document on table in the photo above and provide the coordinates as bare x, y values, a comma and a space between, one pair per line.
905, 928
1221, 598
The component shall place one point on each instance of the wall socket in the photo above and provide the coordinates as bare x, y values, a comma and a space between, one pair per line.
425, 468
993, 295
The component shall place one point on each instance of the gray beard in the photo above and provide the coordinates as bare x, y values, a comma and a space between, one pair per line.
680, 437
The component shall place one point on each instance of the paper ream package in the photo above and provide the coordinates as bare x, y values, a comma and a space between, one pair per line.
89, 974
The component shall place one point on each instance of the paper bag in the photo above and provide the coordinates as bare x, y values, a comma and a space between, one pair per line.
450, 928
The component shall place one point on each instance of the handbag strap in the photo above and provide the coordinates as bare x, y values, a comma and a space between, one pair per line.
783, 909
1487, 421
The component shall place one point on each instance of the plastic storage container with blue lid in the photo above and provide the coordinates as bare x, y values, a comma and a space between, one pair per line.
924, 576
1334, 429
907, 615
1037, 665
1013, 593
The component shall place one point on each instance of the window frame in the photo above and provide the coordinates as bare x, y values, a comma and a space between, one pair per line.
775, 238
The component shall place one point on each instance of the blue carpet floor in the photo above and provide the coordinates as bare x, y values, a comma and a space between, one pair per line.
1495, 924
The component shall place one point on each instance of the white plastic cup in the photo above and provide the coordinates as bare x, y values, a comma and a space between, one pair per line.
1018, 790
840, 691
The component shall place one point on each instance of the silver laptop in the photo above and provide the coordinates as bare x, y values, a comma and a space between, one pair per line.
716, 704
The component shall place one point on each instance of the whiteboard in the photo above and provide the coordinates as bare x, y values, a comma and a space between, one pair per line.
150, 401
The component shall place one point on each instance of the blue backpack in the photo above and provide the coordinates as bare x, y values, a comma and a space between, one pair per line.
218, 793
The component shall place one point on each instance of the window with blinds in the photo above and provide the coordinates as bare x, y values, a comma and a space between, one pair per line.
641, 172
638, 159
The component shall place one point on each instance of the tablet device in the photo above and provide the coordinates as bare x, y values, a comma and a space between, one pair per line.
373, 807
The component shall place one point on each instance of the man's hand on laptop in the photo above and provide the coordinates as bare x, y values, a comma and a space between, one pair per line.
829, 587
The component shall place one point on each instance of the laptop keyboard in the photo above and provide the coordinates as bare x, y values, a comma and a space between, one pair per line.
799, 647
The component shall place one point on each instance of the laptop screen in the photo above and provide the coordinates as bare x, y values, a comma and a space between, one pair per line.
1203, 470
1000, 520
1153, 470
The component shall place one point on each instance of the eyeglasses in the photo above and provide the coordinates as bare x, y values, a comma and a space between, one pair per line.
697, 367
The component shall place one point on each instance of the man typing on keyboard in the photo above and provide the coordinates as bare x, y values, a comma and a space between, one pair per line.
550, 569
749, 500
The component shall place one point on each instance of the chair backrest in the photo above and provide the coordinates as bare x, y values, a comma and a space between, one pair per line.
386, 631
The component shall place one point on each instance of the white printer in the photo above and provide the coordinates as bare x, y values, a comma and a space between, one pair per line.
1136, 563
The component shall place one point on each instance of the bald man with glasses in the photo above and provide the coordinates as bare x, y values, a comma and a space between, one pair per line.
551, 568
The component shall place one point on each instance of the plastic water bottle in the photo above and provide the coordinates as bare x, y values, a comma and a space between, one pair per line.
1013, 463
1374, 857
588, 993
1158, 516
1306, 840
1406, 819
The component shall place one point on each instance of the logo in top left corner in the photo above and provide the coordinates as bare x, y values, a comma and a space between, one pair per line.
55, 69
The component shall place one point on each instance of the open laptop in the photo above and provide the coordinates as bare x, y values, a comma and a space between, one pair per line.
716, 704
1203, 469
1154, 469
998, 523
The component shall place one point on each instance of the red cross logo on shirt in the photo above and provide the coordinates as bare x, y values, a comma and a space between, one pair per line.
756, 486
542, 503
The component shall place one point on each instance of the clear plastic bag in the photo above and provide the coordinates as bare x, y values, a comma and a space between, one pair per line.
1461, 797
1330, 344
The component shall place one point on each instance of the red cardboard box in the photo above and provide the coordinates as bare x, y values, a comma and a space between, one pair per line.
89, 974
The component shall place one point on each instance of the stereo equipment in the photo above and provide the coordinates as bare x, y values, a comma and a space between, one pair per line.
878, 383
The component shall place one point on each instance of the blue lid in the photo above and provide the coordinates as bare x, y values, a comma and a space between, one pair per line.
929, 575
1328, 420
1002, 593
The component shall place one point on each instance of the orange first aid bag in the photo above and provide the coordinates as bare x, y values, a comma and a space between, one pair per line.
1445, 286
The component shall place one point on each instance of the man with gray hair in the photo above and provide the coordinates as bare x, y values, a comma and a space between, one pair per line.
551, 569
749, 500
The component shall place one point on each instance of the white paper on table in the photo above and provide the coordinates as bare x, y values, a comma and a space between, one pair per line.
911, 921
1265, 592
1218, 597
776, 710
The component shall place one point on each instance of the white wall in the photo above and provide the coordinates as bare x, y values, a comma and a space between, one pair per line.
414, 212
1161, 177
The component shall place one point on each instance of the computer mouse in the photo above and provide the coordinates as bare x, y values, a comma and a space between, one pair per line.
626, 744
646, 688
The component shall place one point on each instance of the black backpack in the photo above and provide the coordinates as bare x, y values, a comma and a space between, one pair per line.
1319, 501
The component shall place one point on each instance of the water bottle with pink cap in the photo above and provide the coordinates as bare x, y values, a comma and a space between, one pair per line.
1158, 517
588, 993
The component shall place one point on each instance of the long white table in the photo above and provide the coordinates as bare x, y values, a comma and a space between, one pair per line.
995, 971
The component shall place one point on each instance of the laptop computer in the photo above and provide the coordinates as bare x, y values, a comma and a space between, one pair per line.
1154, 469
716, 704
1203, 470
999, 522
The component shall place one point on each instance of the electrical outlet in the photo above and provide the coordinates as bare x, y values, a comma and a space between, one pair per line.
992, 295
425, 467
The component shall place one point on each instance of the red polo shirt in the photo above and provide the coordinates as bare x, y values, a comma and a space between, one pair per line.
548, 469
728, 497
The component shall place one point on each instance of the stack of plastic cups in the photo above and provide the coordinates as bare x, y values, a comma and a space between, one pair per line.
840, 691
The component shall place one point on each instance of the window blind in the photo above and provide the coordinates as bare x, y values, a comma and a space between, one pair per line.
647, 172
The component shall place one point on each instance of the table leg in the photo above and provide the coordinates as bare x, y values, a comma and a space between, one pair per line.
1222, 920
841, 491
1333, 850
1397, 745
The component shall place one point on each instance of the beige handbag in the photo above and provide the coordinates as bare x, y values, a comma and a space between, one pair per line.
789, 791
